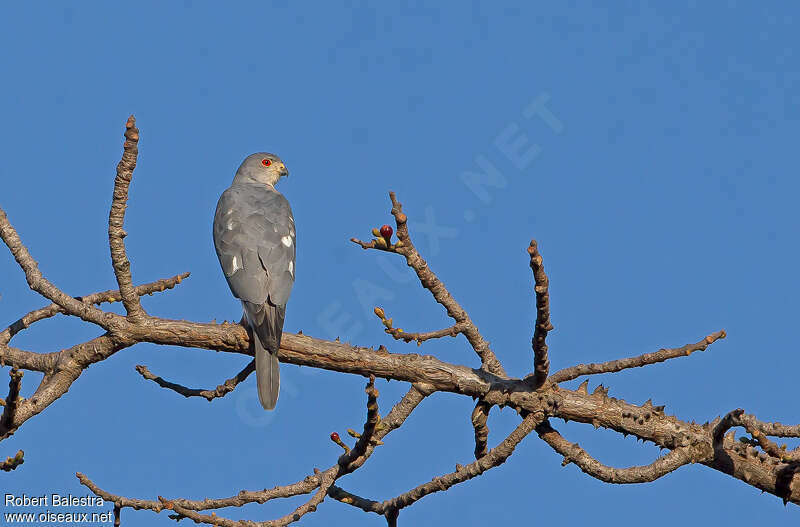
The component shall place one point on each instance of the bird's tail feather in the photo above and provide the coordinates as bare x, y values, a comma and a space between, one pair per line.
266, 324
267, 375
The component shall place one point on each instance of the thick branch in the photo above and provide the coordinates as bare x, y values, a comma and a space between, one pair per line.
69, 365
26, 360
573, 453
646, 359
116, 220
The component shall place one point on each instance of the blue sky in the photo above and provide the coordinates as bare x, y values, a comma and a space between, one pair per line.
659, 184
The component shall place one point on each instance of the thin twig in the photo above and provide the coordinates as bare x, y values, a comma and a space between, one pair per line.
495, 457
220, 391
479, 417
573, 372
11, 401
11, 463
541, 363
393, 420
405, 336
757, 430
431, 282
116, 220
109, 296
44, 287
366, 505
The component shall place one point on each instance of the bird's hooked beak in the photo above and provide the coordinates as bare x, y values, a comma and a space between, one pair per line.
283, 171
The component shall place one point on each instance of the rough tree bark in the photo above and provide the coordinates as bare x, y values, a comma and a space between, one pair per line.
757, 460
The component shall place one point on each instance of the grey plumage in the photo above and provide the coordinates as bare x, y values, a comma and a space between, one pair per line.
254, 236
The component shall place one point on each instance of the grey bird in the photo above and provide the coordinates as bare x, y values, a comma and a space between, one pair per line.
254, 237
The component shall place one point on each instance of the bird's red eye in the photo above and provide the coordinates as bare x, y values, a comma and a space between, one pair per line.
266, 162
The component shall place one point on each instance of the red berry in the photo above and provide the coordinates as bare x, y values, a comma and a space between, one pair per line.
386, 232
334, 437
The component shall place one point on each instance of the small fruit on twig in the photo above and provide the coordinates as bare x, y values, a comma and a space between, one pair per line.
386, 232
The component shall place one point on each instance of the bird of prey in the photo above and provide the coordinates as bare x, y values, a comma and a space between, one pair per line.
254, 237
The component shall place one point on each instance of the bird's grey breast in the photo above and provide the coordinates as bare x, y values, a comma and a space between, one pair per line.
254, 236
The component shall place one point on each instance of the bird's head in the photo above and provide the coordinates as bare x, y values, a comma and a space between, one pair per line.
262, 167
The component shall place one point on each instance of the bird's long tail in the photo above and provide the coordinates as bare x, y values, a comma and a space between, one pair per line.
266, 324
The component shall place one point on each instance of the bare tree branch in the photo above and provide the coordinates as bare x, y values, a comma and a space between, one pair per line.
399, 334
479, 417
11, 463
43, 286
541, 364
26, 360
431, 282
10, 403
573, 372
573, 453
220, 391
771, 469
109, 296
495, 457
69, 365
116, 220
347, 463
756, 430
